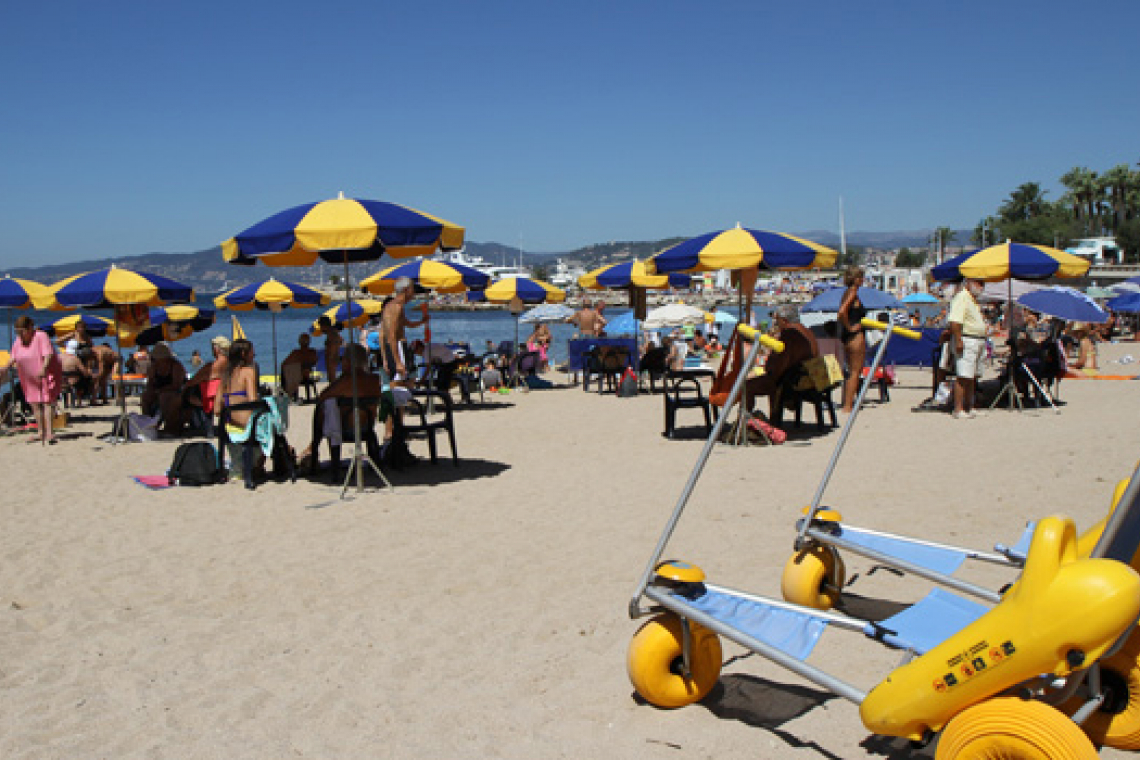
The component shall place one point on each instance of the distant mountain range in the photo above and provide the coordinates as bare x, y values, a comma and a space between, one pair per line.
207, 272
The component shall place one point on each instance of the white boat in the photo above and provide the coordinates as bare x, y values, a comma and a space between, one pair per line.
478, 262
565, 276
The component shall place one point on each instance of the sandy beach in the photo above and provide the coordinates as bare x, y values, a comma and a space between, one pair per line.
480, 610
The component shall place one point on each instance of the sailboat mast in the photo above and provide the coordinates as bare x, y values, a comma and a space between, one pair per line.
842, 231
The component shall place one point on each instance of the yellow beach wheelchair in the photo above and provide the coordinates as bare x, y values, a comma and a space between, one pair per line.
1041, 670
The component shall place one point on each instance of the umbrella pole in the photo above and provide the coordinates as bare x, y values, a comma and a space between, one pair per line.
356, 465
276, 367
10, 412
120, 428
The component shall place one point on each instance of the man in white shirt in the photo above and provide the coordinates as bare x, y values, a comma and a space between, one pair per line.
968, 342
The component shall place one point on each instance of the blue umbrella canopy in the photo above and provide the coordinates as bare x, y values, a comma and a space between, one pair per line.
1129, 303
1064, 303
1131, 285
872, 298
917, 298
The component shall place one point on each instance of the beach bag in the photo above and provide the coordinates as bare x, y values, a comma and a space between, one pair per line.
822, 372
627, 388
727, 372
195, 464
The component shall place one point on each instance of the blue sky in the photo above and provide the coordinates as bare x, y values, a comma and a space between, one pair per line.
134, 127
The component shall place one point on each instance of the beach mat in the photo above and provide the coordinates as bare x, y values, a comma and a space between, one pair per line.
153, 482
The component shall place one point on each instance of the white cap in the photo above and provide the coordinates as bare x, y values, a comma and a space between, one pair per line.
72, 346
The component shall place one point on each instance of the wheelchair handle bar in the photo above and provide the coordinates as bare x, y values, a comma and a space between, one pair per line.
874, 324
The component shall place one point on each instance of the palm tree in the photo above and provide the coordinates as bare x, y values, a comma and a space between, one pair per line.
1081, 184
1026, 202
1117, 181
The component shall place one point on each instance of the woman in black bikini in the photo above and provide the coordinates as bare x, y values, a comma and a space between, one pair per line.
851, 313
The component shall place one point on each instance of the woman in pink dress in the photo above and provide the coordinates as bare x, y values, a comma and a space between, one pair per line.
41, 375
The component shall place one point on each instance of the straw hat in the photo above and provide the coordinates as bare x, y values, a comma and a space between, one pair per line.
220, 342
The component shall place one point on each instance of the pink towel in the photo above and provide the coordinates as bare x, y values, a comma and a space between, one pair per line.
153, 482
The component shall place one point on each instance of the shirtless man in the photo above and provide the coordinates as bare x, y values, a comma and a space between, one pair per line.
333, 342
393, 323
107, 360
75, 372
585, 319
305, 357
600, 320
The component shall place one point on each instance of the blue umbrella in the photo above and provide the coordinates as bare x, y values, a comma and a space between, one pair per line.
916, 298
724, 318
872, 299
547, 312
1126, 303
1065, 303
1131, 285
947, 271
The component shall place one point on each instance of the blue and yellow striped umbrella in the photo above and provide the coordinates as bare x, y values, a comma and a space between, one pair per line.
112, 286
440, 276
16, 293
1022, 261
342, 230
266, 295
170, 324
524, 289
741, 248
347, 314
97, 327
631, 273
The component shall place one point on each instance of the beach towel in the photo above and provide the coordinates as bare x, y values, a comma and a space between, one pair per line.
153, 482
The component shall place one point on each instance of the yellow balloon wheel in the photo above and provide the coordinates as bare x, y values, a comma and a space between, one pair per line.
655, 663
813, 577
1008, 728
1117, 722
